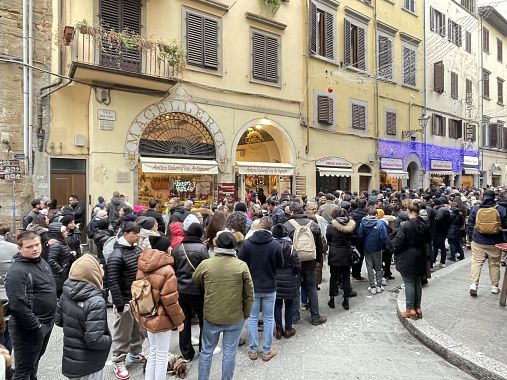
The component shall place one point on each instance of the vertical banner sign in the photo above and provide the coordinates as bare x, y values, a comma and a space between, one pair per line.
227, 190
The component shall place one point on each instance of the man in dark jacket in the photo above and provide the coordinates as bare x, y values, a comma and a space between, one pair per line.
37, 205
326, 210
152, 211
308, 279
114, 207
31, 291
275, 211
177, 211
122, 270
78, 209
263, 255
440, 229
357, 215
483, 244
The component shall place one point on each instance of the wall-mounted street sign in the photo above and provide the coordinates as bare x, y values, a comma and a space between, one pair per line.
10, 169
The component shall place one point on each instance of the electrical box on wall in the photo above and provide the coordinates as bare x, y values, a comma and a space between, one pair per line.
79, 140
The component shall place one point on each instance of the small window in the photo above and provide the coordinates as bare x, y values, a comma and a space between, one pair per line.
325, 109
469, 5
499, 50
385, 57
322, 34
437, 22
409, 5
358, 115
485, 84
438, 125
494, 136
468, 42
454, 85
355, 45
454, 33
438, 77
202, 41
265, 51
391, 123
409, 66
455, 129
485, 40
499, 84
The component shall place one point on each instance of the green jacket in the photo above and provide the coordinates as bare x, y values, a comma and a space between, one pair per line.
229, 293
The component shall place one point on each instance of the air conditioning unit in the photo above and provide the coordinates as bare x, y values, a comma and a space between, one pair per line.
79, 140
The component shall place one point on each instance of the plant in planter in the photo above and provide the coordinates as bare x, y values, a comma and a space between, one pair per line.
85, 28
273, 4
173, 54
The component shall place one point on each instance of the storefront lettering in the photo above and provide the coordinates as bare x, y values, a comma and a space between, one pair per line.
470, 161
334, 162
441, 165
391, 163
267, 171
148, 114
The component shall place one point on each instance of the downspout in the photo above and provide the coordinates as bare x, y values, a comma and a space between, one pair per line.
425, 128
30, 86
25, 84
481, 91
375, 49
307, 147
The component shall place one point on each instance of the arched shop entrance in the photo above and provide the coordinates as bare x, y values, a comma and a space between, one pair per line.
178, 159
264, 158
364, 172
413, 175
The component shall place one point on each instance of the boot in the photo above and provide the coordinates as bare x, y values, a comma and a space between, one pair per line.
345, 303
330, 303
409, 313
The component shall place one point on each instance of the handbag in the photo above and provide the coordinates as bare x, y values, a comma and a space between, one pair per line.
355, 255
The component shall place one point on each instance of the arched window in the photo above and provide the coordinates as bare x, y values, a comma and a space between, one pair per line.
364, 169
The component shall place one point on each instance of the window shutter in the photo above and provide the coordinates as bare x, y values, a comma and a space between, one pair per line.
432, 19
195, 36
131, 20
110, 15
210, 43
499, 48
271, 59
361, 49
313, 28
438, 77
329, 22
390, 123
449, 30
485, 40
358, 117
434, 126
347, 35
325, 109
409, 66
442, 25
443, 126
385, 57
454, 85
499, 84
258, 56
504, 134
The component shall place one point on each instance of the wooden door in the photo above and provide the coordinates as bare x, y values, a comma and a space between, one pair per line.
64, 184
364, 183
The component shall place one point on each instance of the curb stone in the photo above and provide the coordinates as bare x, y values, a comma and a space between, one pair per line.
466, 359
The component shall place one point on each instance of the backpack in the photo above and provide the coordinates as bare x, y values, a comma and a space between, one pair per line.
108, 247
304, 241
488, 221
142, 298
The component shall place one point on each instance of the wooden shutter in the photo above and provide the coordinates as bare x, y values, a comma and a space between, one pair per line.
131, 20
468, 41
258, 56
358, 117
325, 109
390, 123
271, 59
434, 125
499, 49
504, 135
443, 126
110, 15
493, 135
449, 30
485, 40
347, 45
385, 57
313, 28
454, 85
485, 84
438, 77
195, 36
499, 84
329, 43
361, 48
432, 19
409, 66
210, 43
442, 24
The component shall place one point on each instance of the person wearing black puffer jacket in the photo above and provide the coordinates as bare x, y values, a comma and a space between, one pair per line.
187, 256
60, 257
286, 282
339, 235
454, 234
121, 272
82, 313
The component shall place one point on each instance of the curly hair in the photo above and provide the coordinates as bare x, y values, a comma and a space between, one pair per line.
237, 221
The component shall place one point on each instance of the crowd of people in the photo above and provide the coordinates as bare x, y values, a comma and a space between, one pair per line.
256, 263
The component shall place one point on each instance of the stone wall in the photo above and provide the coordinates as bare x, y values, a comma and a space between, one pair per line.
11, 92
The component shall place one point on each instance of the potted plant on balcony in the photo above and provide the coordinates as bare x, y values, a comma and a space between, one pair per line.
85, 28
173, 54
274, 5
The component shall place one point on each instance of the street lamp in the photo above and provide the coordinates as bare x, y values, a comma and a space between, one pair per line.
423, 121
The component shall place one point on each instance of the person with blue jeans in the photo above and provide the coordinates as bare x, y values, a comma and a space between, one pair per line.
263, 255
228, 298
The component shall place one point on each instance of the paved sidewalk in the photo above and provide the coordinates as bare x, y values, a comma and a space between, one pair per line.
469, 331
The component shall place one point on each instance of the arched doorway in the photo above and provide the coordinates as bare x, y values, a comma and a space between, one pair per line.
364, 177
414, 180
178, 159
264, 158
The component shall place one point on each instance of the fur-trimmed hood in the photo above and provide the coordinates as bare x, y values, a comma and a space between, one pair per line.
345, 228
389, 218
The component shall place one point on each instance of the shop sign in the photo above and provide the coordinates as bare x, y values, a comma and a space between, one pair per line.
10, 169
470, 132
441, 165
263, 170
106, 125
179, 168
109, 115
333, 162
470, 161
391, 163
227, 190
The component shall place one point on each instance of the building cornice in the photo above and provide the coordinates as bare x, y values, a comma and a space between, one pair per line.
330, 3
491, 15
265, 21
214, 4
408, 38
357, 15
387, 28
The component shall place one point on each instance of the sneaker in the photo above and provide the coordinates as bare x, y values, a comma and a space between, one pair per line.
304, 306
473, 289
384, 282
372, 290
379, 289
195, 341
322, 319
217, 350
442, 265
495, 289
120, 371
270, 355
139, 358
252, 355
360, 279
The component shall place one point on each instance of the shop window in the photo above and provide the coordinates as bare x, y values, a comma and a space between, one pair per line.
499, 84
454, 85
358, 116
355, 44
485, 83
485, 40
409, 65
202, 40
391, 123
438, 125
325, 110
409, 5
322, 32
437, 22
385, 57
438, 77
455, 129
454, 33
468, 42
265, 57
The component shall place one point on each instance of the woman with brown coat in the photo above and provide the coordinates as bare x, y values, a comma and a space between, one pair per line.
155, 264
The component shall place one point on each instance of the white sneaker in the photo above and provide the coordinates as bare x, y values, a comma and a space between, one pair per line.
384, 282
195, 341
495, 289
379, 289
120, 371
473, 289
441, 265
372, 290
217, 350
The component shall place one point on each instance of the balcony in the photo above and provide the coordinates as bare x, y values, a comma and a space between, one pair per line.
101, 58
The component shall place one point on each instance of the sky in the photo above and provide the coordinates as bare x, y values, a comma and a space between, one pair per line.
500, 5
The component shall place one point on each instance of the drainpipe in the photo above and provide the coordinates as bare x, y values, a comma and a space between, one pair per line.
25, 84
425, 128
307, 55
30, 85
375, 49
481, 91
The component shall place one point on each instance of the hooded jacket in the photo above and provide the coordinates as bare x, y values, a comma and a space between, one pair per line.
286, 277
121, 271
373, 233
82, 313
263, 255
144, 237
60, 260
100, 237
479, 238
456, 222
113, 209
357, 215
178, 214
177, 234
442, 222
196, 252
339, 235
158, 217
157, 267
409, 245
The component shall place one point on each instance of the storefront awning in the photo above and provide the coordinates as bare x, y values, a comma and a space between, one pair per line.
472, 171
337, 172
400, 174
265, 168
437, 173
178, 166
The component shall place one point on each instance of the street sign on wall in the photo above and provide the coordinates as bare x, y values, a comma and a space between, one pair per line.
10, 169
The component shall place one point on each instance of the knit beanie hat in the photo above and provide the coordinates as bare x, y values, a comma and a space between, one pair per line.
225, 239
159, 242
130, 218
146, 222
189, 220
65, 220
87, 269
102, 225
195, 230
55, 227
345, 205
